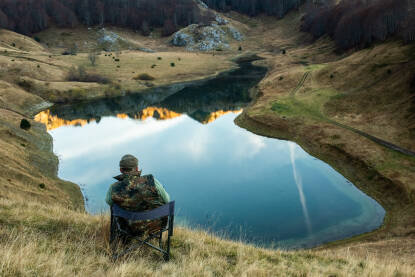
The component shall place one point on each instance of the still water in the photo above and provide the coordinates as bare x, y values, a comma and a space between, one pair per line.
223, 178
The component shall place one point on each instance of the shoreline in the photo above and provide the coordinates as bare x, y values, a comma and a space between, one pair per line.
258, 127
381, 189
252, 125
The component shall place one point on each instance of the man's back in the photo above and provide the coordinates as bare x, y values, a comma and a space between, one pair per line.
136, 193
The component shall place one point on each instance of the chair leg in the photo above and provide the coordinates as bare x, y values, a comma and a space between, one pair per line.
167, 255
160, 240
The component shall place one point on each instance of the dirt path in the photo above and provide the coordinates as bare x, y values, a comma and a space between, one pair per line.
377, 140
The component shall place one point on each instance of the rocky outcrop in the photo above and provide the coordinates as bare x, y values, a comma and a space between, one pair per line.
215, 36
111, 41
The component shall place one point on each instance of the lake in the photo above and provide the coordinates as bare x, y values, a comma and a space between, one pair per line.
223, 178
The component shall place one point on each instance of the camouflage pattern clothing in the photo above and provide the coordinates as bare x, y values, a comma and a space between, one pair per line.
134, 192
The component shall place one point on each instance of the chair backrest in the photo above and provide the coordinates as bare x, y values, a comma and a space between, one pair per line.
165, 210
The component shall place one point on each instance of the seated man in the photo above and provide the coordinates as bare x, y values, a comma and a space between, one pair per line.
134, 192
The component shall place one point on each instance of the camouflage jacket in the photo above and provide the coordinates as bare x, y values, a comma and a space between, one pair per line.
137, 193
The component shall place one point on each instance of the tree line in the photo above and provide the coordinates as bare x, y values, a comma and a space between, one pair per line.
254, 7
359, 23
31, 16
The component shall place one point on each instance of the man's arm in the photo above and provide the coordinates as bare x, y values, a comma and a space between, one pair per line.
108, 198
162, 191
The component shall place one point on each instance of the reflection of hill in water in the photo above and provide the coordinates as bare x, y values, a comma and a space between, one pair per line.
203, 103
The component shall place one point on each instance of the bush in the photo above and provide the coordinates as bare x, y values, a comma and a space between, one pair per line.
80, 75
37, 39
25, 84
144, 77
159, 58
240, 48
25, 124
283, 51
42, 185
172, 64
116, 60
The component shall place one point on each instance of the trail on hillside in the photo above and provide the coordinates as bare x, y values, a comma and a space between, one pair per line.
377, 140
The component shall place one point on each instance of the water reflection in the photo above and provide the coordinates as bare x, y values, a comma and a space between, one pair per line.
224, 178
204, 103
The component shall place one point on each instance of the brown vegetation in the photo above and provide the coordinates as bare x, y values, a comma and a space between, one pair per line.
144, 77
359, 23
80, 75
255, 7
27, 16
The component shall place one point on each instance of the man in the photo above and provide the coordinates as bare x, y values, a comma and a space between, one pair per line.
134, 192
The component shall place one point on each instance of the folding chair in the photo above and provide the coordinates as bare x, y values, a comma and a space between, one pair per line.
117, 230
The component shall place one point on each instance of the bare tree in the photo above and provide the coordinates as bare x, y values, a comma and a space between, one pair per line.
93, 57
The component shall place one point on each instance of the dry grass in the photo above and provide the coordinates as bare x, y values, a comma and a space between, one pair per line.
43, 65
40, 240
124, 67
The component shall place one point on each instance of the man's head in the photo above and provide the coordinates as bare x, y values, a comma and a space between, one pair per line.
128, 163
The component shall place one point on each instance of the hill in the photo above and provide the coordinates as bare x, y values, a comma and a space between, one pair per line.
311, 95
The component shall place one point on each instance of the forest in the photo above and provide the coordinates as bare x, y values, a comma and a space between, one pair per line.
255, 7
359, 23
31, 16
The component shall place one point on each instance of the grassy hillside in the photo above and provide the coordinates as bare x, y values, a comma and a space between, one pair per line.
45, 232
50, 240
43, 70
319, 98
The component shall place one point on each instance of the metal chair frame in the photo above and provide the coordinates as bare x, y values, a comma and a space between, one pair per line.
117, 231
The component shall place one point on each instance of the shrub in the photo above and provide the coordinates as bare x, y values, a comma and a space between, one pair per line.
80, 75
172, 64
159, 58
37, 39
240, 48
283, 51
13, 44
116, 60
25, 84
153, 66
144, 77
25, 124
42, 185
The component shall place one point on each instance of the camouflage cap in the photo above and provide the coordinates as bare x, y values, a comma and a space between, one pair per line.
128, 161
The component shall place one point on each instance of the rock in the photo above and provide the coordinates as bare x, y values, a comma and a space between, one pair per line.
205, 38
107, 36
182, 39
200, 2
235, 33
220, 20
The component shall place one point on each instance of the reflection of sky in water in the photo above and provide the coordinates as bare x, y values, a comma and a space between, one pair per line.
222, 177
